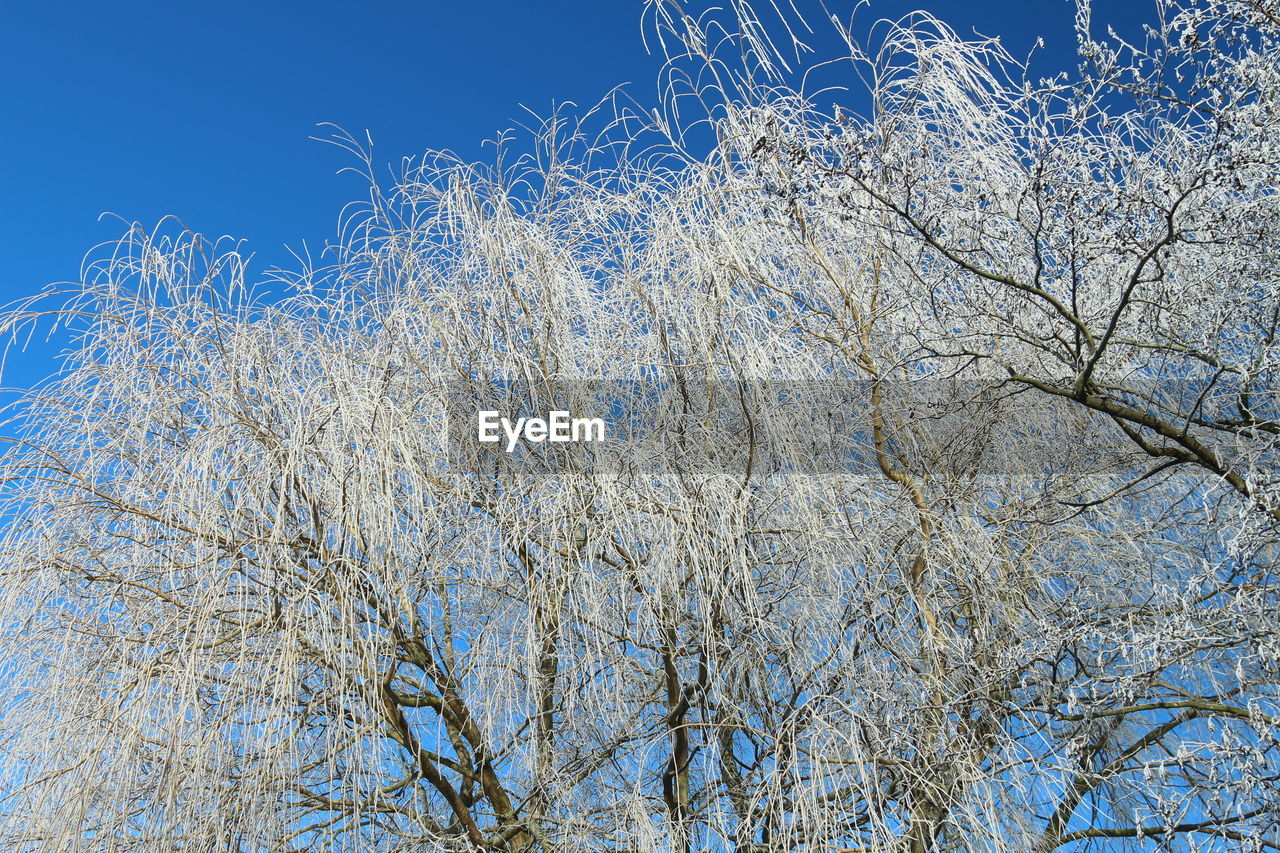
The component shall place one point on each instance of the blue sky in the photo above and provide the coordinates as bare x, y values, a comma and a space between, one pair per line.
203, 111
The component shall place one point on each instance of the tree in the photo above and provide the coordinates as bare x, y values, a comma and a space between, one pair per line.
945, 518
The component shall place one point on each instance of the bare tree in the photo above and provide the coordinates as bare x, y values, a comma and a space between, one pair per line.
941, 513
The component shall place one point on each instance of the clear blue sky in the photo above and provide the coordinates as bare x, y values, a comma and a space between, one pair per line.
203, 111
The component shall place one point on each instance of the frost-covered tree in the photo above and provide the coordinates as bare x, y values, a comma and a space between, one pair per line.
942, 513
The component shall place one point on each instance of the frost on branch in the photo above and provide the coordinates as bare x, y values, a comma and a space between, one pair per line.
255, 600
